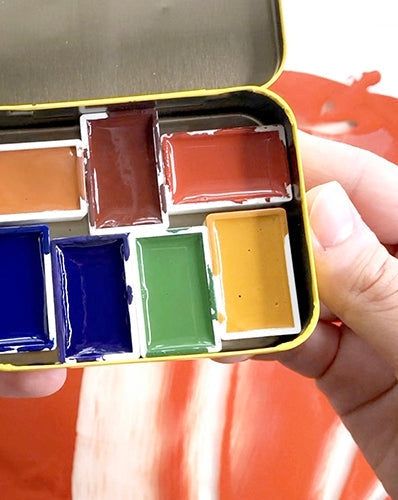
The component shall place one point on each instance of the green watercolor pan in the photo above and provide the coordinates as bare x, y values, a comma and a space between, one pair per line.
176, 314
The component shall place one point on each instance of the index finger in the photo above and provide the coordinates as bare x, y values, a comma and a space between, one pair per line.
369, 180
33, 384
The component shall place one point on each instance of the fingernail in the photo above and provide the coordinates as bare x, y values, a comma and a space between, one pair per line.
332, 215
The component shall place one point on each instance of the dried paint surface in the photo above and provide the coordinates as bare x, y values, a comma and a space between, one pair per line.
122, 173
230, 164
38, 180
248, 252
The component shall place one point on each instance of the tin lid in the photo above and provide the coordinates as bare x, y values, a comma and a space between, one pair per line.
91, 49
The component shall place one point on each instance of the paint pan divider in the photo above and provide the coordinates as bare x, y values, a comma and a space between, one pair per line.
162, 184
137, 291
133, 300
21, 146
292, 285
58, 298
223, 206
215, 297
84, 127
49, 286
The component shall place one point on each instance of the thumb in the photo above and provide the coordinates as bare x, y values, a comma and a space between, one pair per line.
357, 277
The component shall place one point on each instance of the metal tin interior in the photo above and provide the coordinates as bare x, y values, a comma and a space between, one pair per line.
89, 49
231, 108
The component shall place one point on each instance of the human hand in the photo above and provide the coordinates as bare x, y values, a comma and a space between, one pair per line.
353, 353
33, 384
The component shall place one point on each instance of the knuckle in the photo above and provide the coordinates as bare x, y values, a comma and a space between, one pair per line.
377, 282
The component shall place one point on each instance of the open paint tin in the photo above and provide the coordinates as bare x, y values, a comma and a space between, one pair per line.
172, 219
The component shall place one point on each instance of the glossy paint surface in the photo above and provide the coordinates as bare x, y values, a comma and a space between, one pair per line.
37, 180
176, 300
122, 173
23, 310
91, 296
248, 253
275, 432
234, 164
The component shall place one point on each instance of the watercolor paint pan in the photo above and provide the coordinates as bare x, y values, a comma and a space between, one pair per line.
93, 298
26, 305
226, 168
177, 311
42, 182
124, 180
253, 269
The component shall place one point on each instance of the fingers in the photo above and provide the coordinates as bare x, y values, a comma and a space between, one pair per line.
327, 315
232, 359
315, 356
357, 375
32, 384
357, 277
311, 359
370, 181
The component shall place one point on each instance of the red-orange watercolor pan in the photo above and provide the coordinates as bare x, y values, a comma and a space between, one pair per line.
242, 166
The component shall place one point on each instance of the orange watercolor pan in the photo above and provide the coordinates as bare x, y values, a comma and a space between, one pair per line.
253, 273
241, 166
42, 181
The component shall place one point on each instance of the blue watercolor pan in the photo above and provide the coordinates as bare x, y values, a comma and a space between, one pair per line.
26, 313
92, 297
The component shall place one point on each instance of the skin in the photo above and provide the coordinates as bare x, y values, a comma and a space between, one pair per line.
33, 384
353, 353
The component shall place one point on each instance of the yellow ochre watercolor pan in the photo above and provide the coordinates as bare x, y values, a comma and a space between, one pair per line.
253, 273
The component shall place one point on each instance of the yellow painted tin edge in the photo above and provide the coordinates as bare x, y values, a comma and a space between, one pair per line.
307, 232
251, 352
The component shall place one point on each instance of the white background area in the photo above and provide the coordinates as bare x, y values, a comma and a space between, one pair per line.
338, 39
